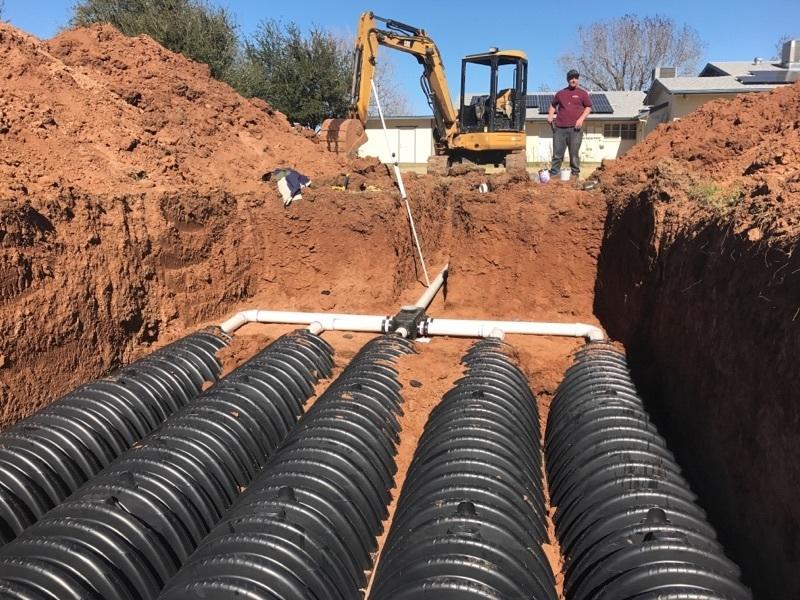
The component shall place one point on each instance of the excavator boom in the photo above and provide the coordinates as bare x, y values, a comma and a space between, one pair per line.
347, 135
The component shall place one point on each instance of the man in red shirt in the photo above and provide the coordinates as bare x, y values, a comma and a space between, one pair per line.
569, 109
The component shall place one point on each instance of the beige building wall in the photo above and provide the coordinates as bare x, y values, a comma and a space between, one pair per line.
683, 104
656, 117
594, 148
411, 141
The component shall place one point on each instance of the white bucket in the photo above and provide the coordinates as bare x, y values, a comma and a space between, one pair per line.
565, 174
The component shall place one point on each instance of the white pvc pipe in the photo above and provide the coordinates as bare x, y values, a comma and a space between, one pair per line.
475, 328
426, 298
400, 182
319, 322
315, 321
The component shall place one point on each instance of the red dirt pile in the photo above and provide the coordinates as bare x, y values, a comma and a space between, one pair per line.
732, 158
94, 110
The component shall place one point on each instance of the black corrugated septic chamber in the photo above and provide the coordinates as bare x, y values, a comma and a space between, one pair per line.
307, 526
47, 456
470, 520
127, 530
627, 522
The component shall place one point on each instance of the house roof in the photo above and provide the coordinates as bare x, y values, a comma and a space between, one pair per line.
726, 77
738, 68
626, 105
724, 84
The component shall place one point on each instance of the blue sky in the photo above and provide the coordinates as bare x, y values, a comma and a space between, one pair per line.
730, 30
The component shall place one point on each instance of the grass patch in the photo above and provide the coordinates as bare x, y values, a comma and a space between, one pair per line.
717, 198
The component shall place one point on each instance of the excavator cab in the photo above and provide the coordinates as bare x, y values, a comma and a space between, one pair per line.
504, 75
490, 128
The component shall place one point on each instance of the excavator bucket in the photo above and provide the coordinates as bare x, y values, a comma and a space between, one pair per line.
342, 136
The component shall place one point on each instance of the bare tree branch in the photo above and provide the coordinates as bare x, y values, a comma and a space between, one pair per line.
393, 99
621, 54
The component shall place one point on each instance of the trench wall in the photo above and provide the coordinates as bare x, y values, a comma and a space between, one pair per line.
88, 283
711, 322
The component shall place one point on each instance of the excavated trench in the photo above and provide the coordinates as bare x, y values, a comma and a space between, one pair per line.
128, 227
710, 360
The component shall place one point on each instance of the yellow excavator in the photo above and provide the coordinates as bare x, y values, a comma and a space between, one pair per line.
486, 129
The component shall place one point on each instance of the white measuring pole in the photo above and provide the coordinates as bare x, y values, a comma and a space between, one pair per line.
400, 183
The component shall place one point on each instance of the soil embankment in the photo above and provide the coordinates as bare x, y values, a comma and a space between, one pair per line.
700, 279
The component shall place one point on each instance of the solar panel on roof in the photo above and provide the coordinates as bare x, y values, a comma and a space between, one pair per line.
770, 77
543, 102
600, 103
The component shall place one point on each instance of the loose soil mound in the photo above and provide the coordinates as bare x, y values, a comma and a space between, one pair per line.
700, 278
732, 158
92, 110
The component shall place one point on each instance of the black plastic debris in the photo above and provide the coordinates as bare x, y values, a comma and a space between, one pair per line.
47, 456
125, 532
627, 522
307, 526
470, 520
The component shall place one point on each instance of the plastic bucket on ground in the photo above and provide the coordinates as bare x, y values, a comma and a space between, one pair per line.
565, 174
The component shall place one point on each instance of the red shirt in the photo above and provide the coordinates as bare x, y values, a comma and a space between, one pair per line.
569, 105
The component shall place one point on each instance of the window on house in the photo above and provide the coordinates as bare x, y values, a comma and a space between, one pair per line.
626, 131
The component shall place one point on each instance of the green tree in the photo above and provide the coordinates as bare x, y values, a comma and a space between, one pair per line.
191, 27
306, 78
621, 54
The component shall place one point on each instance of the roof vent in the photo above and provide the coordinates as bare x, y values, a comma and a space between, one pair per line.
790, 55
758, 60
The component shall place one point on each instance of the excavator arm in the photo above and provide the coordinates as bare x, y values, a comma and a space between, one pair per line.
410, 40
347, 135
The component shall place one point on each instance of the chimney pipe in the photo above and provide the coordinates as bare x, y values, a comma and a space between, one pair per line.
790, 54
663, 72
